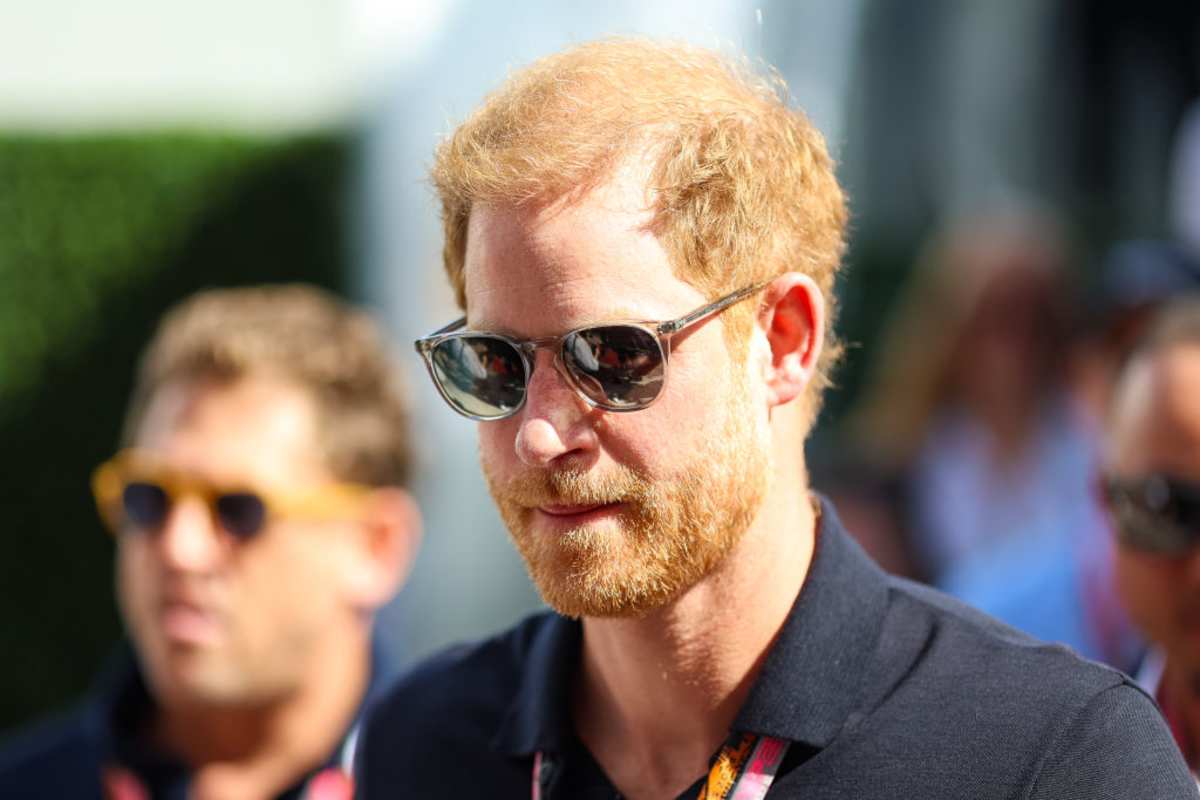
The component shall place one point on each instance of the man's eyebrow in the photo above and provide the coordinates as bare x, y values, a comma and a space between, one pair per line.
620, 314
472, 325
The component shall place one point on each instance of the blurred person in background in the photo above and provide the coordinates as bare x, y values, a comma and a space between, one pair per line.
971, 406
1135, 279
718, 633
260, 518
1151, 481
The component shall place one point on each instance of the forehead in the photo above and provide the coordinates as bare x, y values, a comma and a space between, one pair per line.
538, 270
257, 429
1155, 423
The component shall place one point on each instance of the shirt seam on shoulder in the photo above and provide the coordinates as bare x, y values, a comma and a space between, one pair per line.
898, 588
1067, 722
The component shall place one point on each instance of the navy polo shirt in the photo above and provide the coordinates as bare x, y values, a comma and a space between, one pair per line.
884, 688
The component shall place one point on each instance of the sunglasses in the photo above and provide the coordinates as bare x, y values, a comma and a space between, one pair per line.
617, 366
134, 494
1156, 514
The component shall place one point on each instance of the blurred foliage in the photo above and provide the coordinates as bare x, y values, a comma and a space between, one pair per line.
98, 236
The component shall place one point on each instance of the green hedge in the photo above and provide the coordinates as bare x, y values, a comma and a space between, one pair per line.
98, 235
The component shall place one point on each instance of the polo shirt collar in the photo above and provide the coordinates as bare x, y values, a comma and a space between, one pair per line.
810, 681
539, 717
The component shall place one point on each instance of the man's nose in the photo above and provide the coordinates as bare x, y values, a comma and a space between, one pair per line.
555, 420
190, 540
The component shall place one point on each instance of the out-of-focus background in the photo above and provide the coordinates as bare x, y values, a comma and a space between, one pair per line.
1025, 184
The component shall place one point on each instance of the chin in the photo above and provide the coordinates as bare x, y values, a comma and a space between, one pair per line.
599, 573
621, 604
192, 676
198, 684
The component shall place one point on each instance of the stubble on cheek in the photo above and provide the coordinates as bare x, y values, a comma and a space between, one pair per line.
667, 535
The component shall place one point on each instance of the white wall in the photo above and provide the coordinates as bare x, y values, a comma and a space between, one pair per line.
241, 64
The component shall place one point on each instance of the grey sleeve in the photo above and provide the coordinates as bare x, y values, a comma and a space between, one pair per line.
1116, 748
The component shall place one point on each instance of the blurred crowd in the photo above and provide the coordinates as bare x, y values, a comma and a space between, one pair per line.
971, 459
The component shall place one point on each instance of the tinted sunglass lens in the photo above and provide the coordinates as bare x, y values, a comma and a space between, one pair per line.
481, 376
1158, 514
1186, 504
145, 505
617, 366
241, 513
1142, 530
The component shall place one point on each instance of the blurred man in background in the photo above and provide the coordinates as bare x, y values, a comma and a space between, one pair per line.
1152, 484
260, 521
644, 239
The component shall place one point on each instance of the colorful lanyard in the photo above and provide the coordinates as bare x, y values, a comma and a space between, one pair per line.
743, 770
331, 783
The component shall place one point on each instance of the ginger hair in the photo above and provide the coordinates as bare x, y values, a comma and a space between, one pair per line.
742, 187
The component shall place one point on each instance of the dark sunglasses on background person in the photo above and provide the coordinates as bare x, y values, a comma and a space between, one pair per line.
135, 494
1156, 513
616, 366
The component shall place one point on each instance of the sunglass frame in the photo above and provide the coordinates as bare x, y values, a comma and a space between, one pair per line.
329, 501
663, 332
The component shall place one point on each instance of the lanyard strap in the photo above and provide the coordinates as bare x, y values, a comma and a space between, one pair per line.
539, 776
331, 783
743, 770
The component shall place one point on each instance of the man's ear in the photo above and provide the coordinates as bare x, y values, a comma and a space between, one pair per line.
792, 315
388, 543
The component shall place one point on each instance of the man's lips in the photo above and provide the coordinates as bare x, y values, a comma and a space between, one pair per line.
571, 510
576, 514
188, 623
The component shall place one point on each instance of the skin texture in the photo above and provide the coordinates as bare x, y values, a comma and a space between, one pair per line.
682, 532
1156, 429
257, 652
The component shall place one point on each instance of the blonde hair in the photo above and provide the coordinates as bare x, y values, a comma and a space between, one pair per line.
326, 347
743, 187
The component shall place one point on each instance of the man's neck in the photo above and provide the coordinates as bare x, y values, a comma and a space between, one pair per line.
259, 752
656, 696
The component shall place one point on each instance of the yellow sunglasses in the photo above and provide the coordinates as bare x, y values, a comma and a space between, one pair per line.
133, 492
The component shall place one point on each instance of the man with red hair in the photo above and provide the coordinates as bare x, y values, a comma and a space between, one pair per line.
643, 239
